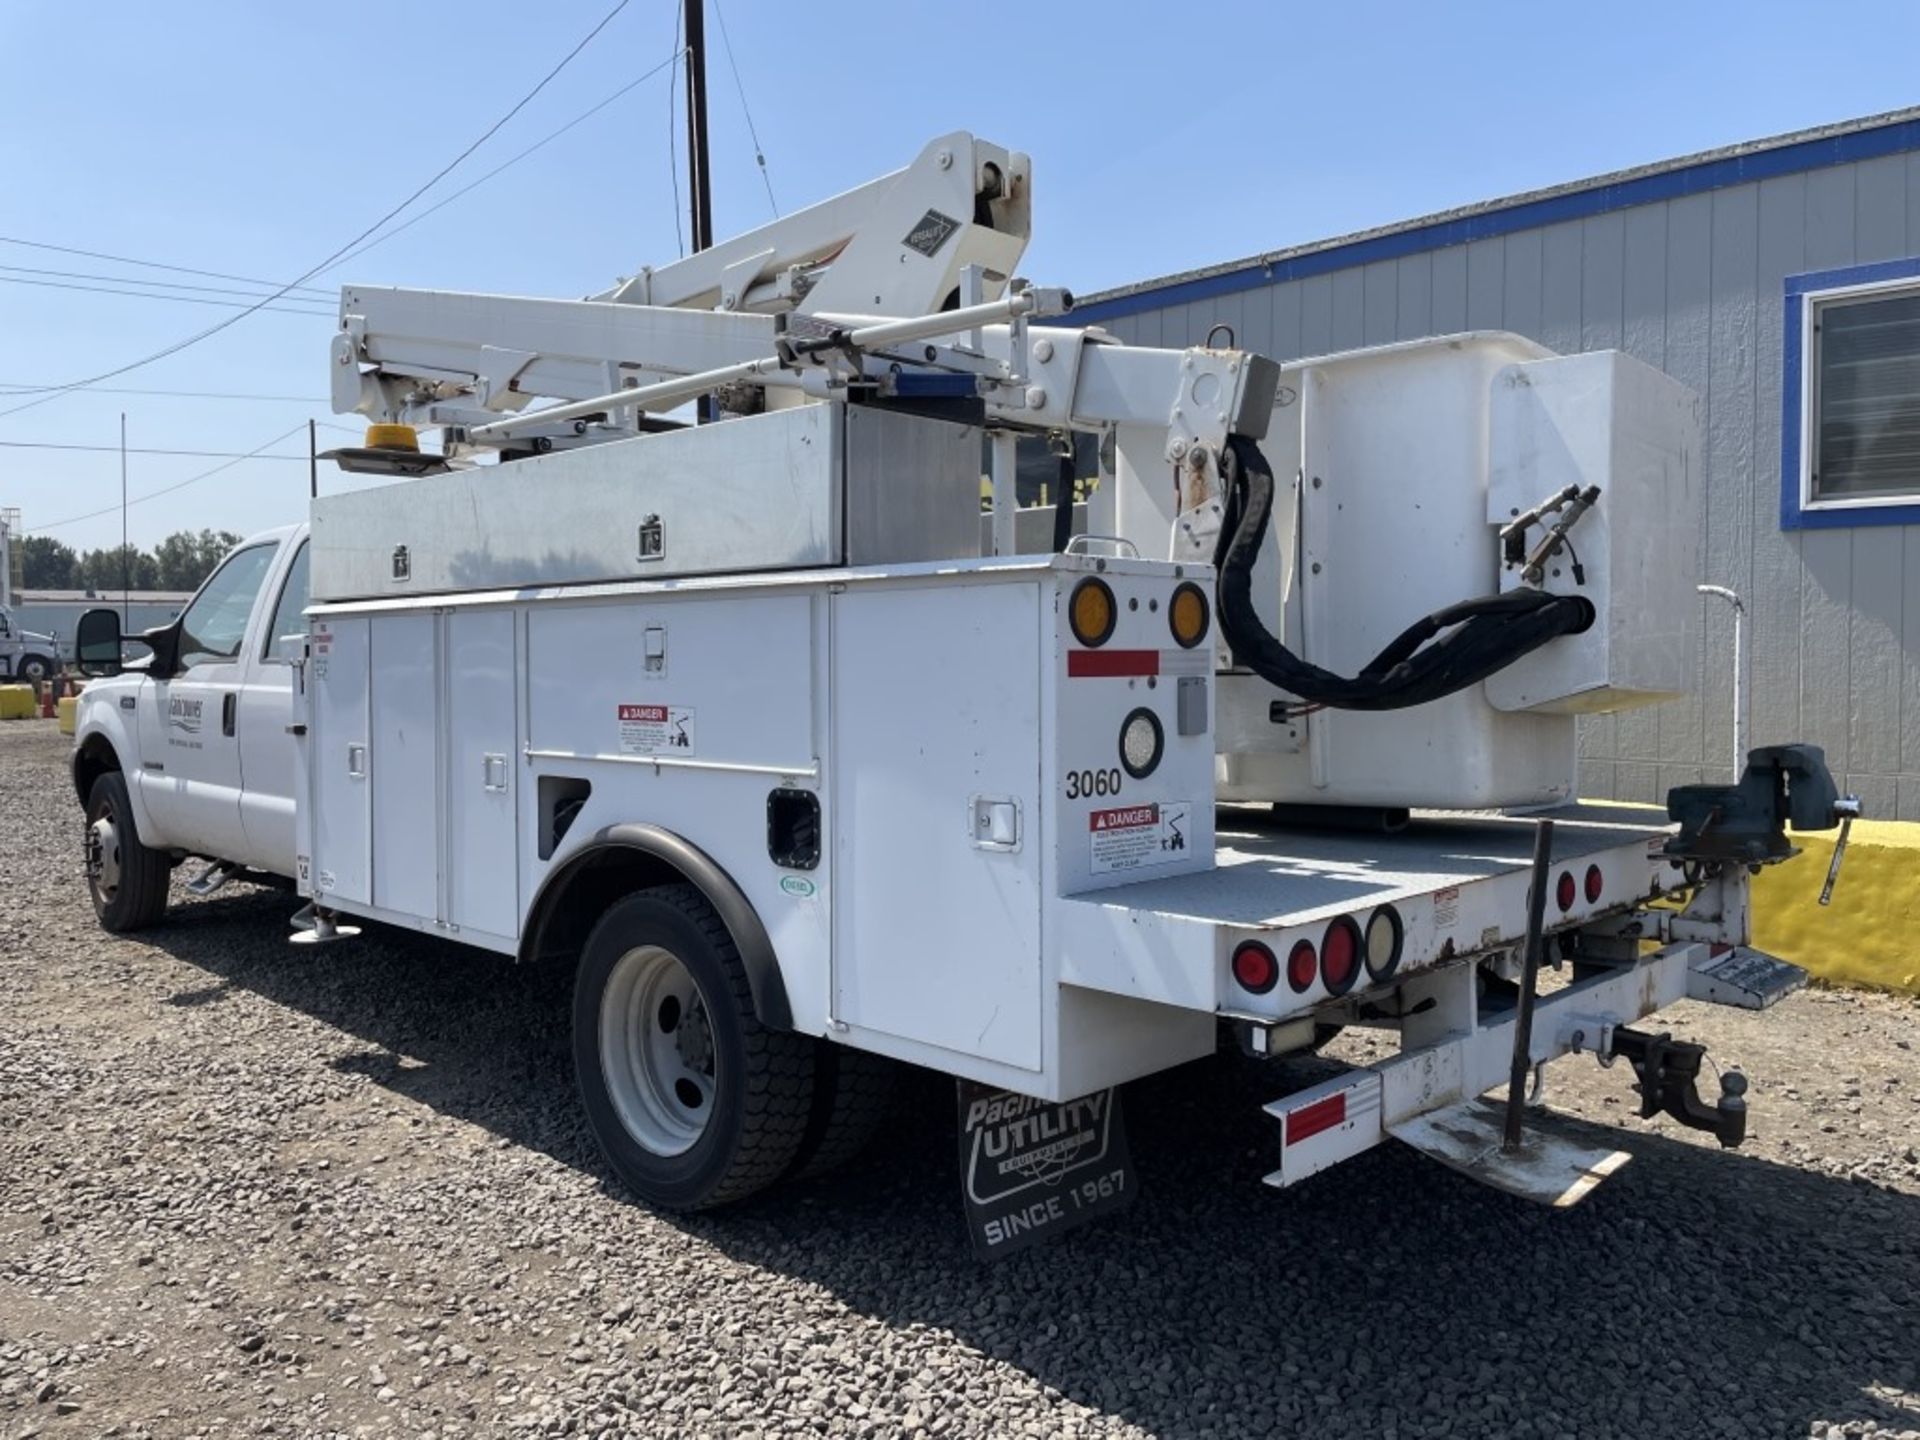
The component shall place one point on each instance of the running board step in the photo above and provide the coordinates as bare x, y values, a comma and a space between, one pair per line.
1553, 1166
213, 878
1744, 978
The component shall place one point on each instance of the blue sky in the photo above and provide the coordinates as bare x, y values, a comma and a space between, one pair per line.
255, 138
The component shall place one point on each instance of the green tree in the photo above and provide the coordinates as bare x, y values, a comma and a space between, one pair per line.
46, 564
129, 568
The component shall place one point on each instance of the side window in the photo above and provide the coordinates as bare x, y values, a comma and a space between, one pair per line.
278, 649
6, 625
215, 624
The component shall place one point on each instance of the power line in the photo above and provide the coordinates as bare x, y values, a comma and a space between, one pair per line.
437, 177
135, 450
12, 388
579, 119
240, 305
253, 454
759, 155
153, 264
148, 284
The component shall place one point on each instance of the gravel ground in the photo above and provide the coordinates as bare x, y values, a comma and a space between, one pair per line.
246, 1189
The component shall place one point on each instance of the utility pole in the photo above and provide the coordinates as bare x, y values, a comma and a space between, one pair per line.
701, 192
126, 554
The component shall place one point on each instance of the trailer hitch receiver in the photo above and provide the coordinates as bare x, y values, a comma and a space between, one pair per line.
1667, 1071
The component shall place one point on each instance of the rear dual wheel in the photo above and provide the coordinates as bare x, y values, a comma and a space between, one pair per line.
695, 1103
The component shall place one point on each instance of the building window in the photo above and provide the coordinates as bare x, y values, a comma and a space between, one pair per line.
1851, 419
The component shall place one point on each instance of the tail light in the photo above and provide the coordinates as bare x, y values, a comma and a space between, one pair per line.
1386, 935
1563, 892
1593, 884
1340, 955
1254, 968
1302, 965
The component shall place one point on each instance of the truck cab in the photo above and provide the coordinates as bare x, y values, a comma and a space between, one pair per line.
25, 654
187, 751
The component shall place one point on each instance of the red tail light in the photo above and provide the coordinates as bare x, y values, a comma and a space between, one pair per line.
1593, 884
1564, 892
1254, 968
1302, 966
1340, 955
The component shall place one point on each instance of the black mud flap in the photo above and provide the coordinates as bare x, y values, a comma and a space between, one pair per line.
1031, 1169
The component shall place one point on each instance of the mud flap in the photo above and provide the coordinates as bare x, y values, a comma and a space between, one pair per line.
1032, 1169
1553, 1165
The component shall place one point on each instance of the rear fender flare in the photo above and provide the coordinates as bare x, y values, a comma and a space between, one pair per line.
690, 863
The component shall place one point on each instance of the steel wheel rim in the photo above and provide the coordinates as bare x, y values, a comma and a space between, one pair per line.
656, 1050
103, 856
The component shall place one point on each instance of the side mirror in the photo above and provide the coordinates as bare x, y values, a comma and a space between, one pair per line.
96, 643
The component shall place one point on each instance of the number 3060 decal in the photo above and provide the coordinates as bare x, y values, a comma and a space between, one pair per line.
1082, 783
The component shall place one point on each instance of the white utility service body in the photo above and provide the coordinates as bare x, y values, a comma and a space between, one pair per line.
744, 722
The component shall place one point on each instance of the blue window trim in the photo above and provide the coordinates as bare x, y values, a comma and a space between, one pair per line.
1707, 175
1792, 384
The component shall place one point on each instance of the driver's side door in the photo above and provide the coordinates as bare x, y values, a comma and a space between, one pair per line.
189, 742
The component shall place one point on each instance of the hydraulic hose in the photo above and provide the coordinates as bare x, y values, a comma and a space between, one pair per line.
1433, 657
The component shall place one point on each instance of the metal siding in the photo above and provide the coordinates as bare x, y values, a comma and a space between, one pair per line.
1449, 291
1349, 305
1520, 305
1380, 316
1773, 609
1413, 312
1692, 282
1486, 283
1727, 381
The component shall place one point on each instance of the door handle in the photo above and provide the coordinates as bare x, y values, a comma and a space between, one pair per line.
229, 708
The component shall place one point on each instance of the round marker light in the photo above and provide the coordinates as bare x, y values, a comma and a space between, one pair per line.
1302, 965
1340, 955
1091, 613
1594, 884
1563, 892
1141, 741
1254, 968
1188, 615
1385, 936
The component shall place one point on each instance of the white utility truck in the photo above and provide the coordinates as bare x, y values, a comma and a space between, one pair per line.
751, 725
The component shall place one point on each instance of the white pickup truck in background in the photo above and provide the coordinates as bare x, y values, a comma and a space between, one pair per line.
188, 751
29, 655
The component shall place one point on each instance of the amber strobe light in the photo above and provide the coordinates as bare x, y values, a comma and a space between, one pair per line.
1188, 614
1091, 612
1254, 967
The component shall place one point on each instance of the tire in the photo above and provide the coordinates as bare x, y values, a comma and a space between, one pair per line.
694, 1102
128, 881
853, 1093
33, 669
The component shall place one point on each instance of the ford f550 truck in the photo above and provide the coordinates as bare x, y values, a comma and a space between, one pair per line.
744, 724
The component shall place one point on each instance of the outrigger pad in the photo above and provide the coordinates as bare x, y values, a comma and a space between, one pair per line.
1552, 1166
1782, 785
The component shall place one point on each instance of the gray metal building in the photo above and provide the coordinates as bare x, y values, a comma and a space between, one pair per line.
1781, 280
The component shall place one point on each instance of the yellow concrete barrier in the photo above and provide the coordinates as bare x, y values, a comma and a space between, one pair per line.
68, 708
16, 702
1870, 934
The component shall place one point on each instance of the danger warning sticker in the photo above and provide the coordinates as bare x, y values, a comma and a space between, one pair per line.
656, 730
1138, 835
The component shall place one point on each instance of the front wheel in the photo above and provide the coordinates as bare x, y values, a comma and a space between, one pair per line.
127, 880
693, 1101
34, 669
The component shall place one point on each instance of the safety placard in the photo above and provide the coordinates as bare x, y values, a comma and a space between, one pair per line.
656, 730
1134, 836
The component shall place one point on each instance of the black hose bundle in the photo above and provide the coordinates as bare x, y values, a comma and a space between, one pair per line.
1447, 651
